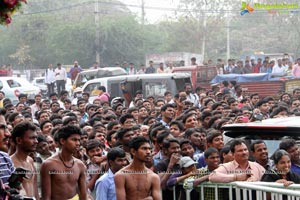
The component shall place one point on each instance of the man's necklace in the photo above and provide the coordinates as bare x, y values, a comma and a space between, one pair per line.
65, 163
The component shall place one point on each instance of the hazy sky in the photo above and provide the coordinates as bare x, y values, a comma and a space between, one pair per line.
152, 14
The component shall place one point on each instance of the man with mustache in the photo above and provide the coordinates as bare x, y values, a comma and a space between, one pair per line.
240, 169
260, 153
25, 138
6, 166
136, 181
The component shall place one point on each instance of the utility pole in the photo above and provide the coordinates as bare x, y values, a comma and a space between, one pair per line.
204, 35
97, 32
143, 13
228, 37
143, 24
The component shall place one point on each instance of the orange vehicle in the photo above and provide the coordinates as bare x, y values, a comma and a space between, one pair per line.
203, 75
200, 75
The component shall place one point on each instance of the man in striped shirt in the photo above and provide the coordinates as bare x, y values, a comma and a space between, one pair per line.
6, 165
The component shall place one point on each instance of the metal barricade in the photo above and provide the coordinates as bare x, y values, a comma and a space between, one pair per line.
249, 191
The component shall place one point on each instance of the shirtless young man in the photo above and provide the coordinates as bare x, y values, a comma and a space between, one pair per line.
25, 138
136, 181
62, 175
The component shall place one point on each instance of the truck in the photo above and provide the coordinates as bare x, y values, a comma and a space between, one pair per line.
261, 83
176, 58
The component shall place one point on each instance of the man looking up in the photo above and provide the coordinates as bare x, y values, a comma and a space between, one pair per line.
105, 185
25, 137
136, 181
167, 114
62, 175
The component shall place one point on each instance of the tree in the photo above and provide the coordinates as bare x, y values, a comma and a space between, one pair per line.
22, 56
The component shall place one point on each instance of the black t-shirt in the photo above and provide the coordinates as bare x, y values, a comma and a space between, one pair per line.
274, 175
162, 167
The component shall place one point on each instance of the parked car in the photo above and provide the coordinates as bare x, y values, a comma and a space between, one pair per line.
91, 74
151, 85
14, 86
272, 131
40, 82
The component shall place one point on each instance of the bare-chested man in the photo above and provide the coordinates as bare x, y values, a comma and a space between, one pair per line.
136, 181
25, 138
62, 175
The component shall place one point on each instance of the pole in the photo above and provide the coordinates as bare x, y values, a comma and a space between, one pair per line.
228, 37
97, 32
204, 36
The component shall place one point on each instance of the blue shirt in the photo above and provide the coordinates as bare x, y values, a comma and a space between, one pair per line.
105, 187
295, 169
6, 167
201, 161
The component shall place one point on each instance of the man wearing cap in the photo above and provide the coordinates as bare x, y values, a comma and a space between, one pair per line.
117, 100
77, 95
188, 168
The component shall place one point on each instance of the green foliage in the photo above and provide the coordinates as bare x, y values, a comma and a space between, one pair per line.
64, 31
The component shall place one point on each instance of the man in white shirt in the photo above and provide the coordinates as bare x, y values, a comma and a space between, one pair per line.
279, 68
50, 79
61, 78
131, 69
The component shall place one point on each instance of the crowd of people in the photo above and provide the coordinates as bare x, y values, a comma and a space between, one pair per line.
113, 149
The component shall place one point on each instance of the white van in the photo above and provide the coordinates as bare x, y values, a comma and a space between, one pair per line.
151, 84
91, 74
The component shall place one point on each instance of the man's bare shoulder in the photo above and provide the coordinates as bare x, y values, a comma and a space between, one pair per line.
51, 161
30, 159
122, 171
79, 163
152, 174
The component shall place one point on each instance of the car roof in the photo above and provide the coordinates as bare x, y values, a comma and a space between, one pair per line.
138, 76
11, 77
265, 129
103, 69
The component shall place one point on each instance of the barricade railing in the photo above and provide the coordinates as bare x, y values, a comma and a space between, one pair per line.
248, 191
